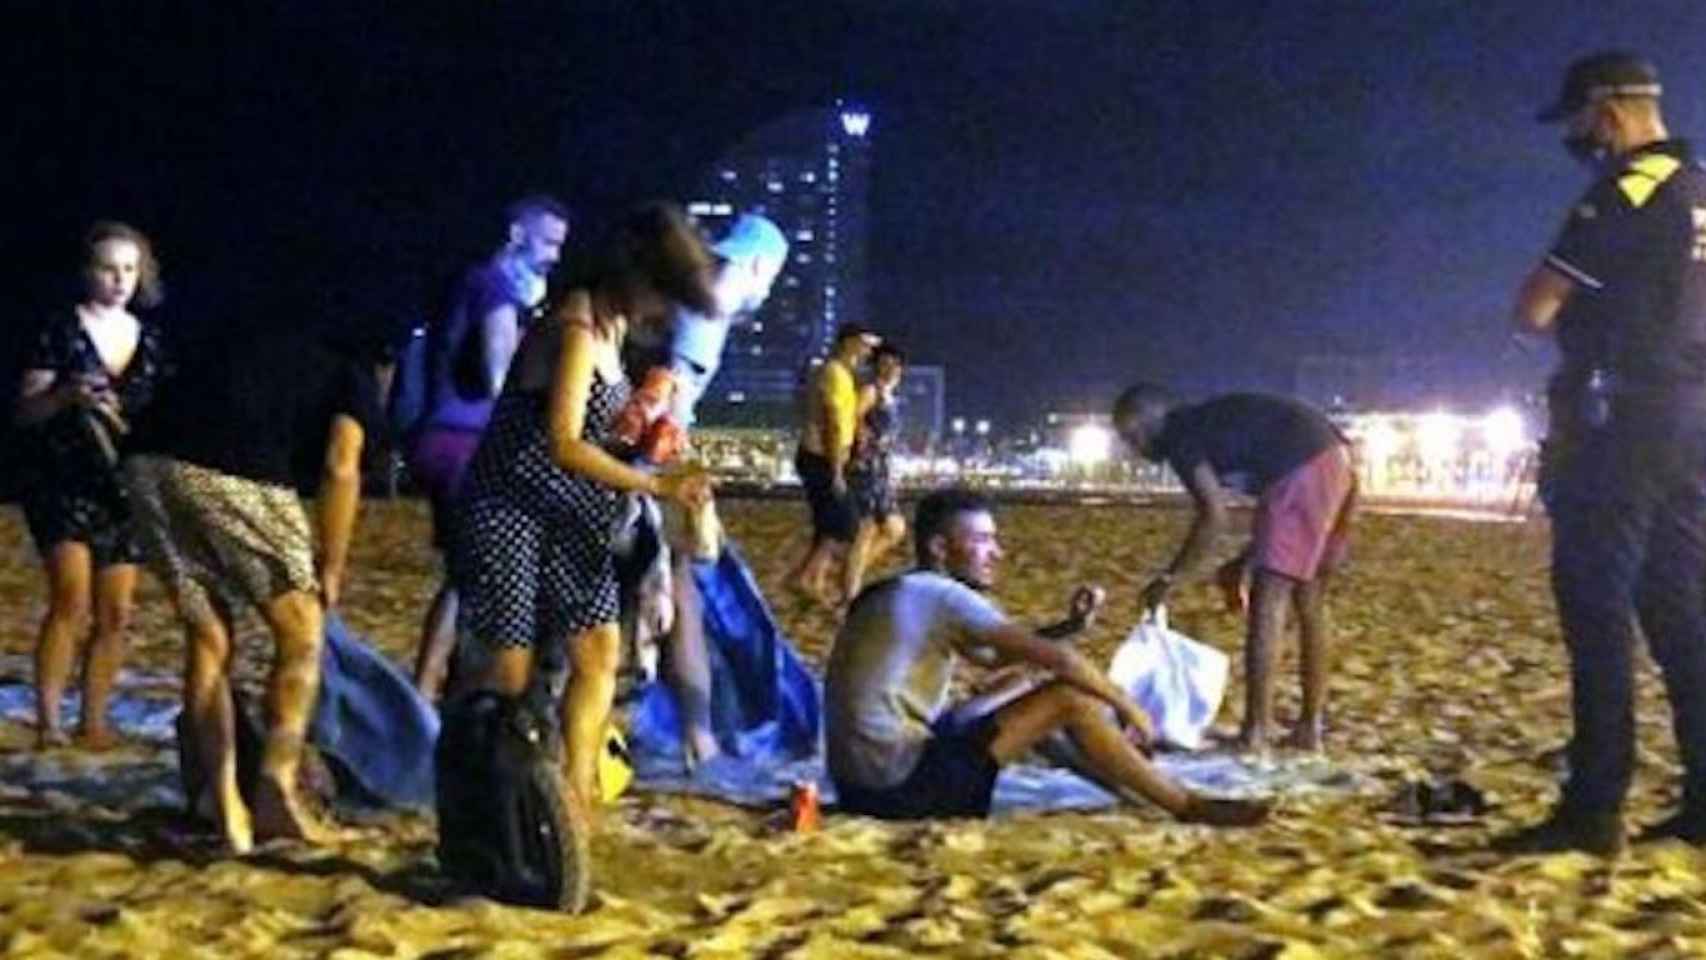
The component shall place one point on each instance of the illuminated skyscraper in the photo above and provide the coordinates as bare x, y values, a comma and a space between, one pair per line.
808, 171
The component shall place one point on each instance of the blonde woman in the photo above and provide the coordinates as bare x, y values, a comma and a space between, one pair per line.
92, 368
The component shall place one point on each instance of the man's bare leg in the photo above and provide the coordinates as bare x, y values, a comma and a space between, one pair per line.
858, 556
1269, 596
207, 697
1309, 600
891, 533
115, 586
809, 578
438, 640
62, 631
1110, 757
507, 671
688, 668
298, 626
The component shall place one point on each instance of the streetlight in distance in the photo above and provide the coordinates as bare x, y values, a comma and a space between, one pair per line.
1090, 444
1504, 432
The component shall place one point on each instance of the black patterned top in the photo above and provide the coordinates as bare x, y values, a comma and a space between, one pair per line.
60, 446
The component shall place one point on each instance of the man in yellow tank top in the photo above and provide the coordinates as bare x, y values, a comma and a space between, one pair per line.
826, 441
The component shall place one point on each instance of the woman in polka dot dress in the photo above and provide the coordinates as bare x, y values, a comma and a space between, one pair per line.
538, 505
92, 369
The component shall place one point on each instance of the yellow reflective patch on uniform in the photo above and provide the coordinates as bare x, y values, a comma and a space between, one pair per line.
1656, 165
1646, 174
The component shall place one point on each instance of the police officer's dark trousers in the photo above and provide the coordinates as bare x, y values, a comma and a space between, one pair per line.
1629, 544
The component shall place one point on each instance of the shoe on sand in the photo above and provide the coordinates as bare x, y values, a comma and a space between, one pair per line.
1600, 834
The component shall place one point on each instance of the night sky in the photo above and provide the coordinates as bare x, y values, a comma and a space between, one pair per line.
1067, 194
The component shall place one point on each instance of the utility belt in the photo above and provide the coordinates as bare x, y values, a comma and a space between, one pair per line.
1582, 402
1590, 398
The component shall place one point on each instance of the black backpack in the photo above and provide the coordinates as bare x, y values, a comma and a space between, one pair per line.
410, 398
505, 829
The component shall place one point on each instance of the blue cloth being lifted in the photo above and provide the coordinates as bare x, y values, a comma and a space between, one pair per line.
370, 721
766, 707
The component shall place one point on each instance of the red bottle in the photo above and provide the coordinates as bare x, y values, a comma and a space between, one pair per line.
645, 405
663, 441
804, 807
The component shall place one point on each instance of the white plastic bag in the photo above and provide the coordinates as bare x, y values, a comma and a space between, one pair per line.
1179, 681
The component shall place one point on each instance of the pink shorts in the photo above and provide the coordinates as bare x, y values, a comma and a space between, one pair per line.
1302, 524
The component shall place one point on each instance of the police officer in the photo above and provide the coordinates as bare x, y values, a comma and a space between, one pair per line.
1624, 288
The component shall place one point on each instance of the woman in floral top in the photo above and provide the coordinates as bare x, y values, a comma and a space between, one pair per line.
91, 369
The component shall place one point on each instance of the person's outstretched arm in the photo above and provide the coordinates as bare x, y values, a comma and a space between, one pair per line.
339, 503
1209, 501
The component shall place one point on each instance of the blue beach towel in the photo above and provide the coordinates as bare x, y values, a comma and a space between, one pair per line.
371, 720
766, 707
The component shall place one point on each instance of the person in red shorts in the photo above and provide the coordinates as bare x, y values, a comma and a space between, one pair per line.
1297, 465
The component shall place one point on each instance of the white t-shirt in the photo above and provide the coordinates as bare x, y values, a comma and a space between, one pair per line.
889, 671
692, 349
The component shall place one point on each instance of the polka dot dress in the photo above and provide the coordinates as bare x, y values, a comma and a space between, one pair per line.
532, 554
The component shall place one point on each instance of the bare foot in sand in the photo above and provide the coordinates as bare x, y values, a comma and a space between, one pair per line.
698, 747
1252, 740
238, 830
51, 738
817, 596
281, 813
1225, 811
234, 824
98, 739
1305, 737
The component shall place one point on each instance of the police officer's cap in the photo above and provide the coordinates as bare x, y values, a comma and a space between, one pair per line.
1613, 73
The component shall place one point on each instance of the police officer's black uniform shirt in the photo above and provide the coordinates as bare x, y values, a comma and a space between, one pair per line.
1248, 439
1635, 245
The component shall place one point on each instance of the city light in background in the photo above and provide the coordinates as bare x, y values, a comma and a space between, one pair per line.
1090, 444
1438, 436
1504, 431
1482, 460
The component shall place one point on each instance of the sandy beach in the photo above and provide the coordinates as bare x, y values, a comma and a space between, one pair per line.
1449, 666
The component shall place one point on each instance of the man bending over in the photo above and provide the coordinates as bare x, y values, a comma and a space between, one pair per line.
1297, 465
898, 750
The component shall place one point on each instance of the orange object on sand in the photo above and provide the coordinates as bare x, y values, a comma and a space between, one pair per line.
805, 815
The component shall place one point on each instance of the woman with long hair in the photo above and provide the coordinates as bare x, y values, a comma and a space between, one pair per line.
92, 368
533, 554
870, 472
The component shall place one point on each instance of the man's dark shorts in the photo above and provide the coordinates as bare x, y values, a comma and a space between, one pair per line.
955, 777
833, 516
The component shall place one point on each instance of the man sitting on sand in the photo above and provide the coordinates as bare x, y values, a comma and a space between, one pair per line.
897, 750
